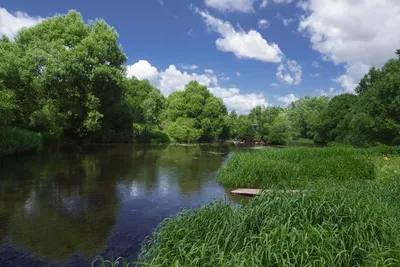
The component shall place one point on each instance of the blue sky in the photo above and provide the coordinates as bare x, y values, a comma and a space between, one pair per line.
248, 53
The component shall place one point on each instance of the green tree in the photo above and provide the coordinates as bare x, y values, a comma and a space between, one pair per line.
376, 115
305, 115
184, 130
245, 129
280, 131
69, 69
333, 126
208, 113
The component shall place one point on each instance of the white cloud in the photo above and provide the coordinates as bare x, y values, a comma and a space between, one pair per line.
285, 21
315, 64
282, 1
169, 80
172, 80
263, 23
225, 78
143, 70
11, 24
234, 100
289, 72
237, 74
330, 92
191, 33
210, 71
188, 67
245, 6
245, 45
275, 84
315, 75
369, 42
287, 99
264, 4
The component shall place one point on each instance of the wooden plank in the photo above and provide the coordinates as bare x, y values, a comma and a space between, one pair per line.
256, 192
246, 192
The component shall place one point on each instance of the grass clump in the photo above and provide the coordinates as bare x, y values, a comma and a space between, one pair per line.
293, 168
336, 226
13, 141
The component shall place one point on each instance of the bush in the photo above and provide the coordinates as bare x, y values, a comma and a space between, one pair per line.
294, 168
158, 137
351, 226
13, 140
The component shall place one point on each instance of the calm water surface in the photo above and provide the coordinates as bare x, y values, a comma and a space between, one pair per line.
61, 208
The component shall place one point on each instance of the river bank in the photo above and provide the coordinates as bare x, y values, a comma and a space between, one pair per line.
347, 216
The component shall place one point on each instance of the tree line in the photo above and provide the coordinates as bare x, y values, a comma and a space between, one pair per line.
66, 79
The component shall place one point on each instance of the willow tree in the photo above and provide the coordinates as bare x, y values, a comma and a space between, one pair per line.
66, 75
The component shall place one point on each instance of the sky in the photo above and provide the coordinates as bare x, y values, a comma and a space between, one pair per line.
247, 52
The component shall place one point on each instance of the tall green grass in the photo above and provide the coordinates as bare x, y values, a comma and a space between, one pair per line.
348, 216
293, 168
13, 141
331, 226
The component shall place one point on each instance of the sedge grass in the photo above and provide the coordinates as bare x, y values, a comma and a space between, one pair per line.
13, 141
337, 226
347, 220
296, 168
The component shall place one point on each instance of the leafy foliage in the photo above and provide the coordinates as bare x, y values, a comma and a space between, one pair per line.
195, 115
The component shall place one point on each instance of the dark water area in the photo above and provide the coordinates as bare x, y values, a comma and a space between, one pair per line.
62, 207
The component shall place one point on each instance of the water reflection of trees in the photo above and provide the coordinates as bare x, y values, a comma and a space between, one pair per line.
189, 167
57, 204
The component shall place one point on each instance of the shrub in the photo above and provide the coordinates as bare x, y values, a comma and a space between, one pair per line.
13, 140
157, 136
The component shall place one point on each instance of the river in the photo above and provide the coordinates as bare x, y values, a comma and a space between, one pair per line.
62, 207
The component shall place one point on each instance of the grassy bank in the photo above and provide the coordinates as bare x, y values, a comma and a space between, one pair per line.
348, 216
332, 227
294, 168
13, 141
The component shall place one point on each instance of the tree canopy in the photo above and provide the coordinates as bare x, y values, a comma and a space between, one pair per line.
67, 79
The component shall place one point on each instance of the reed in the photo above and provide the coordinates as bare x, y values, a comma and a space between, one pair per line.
296, 168
331, 226
14, 141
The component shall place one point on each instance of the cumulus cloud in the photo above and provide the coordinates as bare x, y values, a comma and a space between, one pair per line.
209, 71
263, 23
275, 84
11, 24
315, 75
234, 100
287, 99
171, 80
264, 4
237, 74
369, 42
289, 72
188, 67
245, 45
245, 6
330, 92
143, 70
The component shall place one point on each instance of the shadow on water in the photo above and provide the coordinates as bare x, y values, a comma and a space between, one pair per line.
64, 206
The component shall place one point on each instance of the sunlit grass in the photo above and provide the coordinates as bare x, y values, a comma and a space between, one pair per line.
294, 168
348, 216
338, 226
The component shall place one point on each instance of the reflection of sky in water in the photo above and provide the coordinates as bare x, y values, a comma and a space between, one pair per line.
106, 201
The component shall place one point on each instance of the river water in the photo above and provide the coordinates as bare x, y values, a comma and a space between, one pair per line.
62, 207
